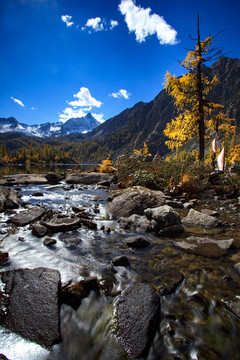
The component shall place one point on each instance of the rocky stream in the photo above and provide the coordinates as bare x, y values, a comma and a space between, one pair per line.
91, 271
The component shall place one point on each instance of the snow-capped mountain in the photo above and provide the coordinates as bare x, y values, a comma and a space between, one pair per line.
47, 130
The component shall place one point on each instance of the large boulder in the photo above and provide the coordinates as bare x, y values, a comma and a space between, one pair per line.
3, 258
164, 216
88, 178
29, 304
52, 177
8, 198
205, 246
134, 200
198, 218
29, 216
138, 315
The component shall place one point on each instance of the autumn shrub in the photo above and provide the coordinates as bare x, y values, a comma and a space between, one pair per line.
107, 166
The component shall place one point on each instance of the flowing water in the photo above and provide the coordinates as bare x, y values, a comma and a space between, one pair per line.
192, 326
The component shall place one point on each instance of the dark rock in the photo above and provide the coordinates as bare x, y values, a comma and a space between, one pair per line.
30, 304
21, 239
134, 200
28, 216
137, 222
3, 357
198, 218
73, 294
8, 198
3, 258
172, 230
136, 241
89, 223
72, 241
138, 314
49, 241
52, 177
87, 178
121, 261
77, 209
38, 194
169, 281
57, 224
205, 246
39, 230
174, 204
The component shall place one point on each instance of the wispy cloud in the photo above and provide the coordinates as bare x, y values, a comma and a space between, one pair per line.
140, 21
121, 94
19, 102
81, 106
67, 20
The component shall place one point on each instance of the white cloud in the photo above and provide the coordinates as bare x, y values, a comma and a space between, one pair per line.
67, 20
95, 23
121, 94
33, 108
140, 21
99, 117
84, 98
81, 106
19, 102
113, 23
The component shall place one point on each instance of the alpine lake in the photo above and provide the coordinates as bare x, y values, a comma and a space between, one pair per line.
199, 318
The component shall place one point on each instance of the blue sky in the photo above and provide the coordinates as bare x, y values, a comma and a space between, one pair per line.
64, 58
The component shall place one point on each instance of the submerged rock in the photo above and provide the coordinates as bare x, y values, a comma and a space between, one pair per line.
169, 281
138, 316
134, 200
121, 260
199, 218
28, 216
205, 246
29, 304
136, 241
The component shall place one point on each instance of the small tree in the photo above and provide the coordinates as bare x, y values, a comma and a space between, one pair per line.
198, 114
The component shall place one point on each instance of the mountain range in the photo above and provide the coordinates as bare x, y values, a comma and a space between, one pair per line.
50, 130
144, 122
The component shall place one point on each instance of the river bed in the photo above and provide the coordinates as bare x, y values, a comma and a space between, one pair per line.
191, 327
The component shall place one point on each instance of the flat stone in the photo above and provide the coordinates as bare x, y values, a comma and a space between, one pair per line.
138, 315
28, 216
29, 304
205, 246
36, 179
62, 224
199, 218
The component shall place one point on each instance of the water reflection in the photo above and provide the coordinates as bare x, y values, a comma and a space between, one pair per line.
43, 168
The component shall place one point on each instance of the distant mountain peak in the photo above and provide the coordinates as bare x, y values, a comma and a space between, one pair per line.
47, 130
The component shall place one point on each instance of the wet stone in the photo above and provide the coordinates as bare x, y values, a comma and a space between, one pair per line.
136, 241
31, 307
58, 224
3, 258
52, 177
138, 314
39, 230
37, 194
49, 241
28, 216
121, 261
169, 281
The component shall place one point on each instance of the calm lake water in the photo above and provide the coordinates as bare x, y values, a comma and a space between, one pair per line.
43, 168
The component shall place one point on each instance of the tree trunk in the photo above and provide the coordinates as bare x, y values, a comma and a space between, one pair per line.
201, 127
